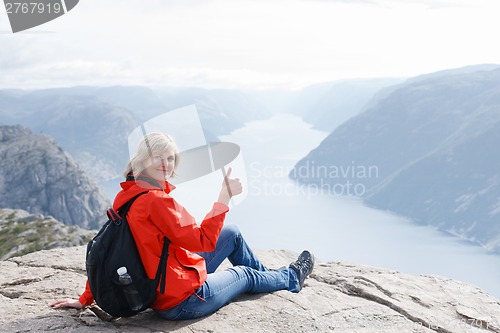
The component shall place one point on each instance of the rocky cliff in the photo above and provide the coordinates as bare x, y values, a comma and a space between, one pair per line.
338, 297
22, 233
36, 175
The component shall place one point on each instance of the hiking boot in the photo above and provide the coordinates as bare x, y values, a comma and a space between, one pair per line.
303, 266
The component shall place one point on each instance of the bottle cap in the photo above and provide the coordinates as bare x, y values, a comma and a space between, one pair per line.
122, 270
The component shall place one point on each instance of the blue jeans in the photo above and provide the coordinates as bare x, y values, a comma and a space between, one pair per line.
248, 275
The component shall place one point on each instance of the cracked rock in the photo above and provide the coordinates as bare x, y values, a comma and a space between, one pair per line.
337, 297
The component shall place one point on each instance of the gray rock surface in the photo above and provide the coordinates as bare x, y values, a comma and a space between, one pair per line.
338, 297
36, 175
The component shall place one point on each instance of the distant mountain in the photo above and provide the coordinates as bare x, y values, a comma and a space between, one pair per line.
328, 105
220, 110
22, 233
91, 130
344, 100
36, 175
384, 92
93, 123
142, 102
425, 150
454, 71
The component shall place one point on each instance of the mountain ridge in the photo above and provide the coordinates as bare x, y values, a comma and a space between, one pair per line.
428, 139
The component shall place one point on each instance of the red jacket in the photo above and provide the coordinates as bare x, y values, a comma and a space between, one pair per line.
156, 214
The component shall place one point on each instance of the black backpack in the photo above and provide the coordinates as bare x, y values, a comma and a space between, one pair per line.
112, 248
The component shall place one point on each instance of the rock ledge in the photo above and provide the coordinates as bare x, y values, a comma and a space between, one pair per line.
338, 297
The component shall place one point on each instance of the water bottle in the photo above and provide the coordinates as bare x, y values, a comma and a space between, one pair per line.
131, 293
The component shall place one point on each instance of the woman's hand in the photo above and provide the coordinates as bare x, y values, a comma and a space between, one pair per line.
66, 302
230, 188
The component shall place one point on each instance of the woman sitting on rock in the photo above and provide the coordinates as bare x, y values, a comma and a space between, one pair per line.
193, 288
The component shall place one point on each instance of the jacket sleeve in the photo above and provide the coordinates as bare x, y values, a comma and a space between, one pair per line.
180, 227
86, 297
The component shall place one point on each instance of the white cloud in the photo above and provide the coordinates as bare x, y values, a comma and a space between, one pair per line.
242, 43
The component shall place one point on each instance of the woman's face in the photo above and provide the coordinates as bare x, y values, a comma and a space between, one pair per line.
160, 166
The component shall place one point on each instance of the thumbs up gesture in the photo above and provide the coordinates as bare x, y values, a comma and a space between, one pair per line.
230, 187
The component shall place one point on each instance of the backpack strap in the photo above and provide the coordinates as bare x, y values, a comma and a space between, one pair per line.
113, 215
161, 272
123, 210
117, 216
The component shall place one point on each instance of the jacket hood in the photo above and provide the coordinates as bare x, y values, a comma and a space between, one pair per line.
133, 187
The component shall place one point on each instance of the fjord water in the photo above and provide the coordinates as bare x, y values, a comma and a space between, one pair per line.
278, 213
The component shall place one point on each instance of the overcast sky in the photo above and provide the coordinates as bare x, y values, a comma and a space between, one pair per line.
248, 43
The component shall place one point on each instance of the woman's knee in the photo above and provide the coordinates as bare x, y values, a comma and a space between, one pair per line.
231, 230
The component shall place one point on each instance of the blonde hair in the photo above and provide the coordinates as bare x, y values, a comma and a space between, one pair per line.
151, 143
